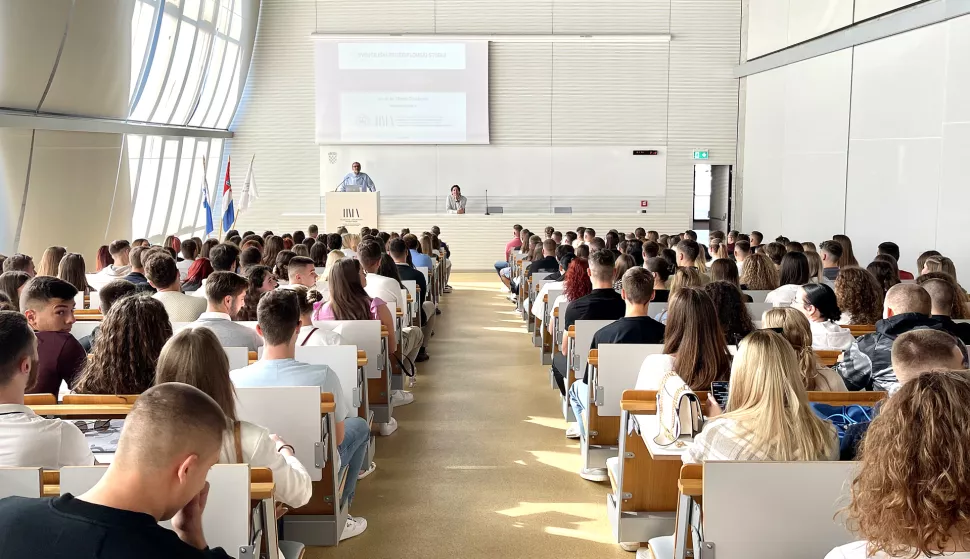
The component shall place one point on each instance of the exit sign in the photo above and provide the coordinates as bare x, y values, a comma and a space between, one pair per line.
702, 154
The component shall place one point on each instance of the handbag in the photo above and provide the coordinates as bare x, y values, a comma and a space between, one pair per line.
678, 412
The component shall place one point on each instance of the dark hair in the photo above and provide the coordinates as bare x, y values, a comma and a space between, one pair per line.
369, 253
313, 229
859, 294
577, 283
742, 245
348, 299
307, 298
582, 251
161, 270
396, 247
651, 250
189, 249
775, 251
695, 336
794, 247
16, 339
334, 241
660, 267
690, 248
889, 248
282, 267
602, 263
256, 276
207, 246
116, 247
823, 298
130, 340
278, 315
17, 263
623, 263
758, 235
723, 269
885, 273
224, 284
637, 284
794, 269
318, 253
250, 257
388, 269
271, 247
299, 262
670, 256
833, 248
223, 257
10, 282
563, 250
42, 289
847, 257
114, 291
731, 311
71, 269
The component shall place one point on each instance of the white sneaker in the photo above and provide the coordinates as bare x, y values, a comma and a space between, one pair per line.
389, 427
355, 526
448, 289
368, 471
573, 431
629, 546
401, 398
594, 474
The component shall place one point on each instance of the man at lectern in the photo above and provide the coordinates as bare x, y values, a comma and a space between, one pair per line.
356, 181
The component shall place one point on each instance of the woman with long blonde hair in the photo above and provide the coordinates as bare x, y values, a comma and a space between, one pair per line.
683, 277
50, 260
815, 267
759, 273
350, 242
768, 417
797, 330
910, 495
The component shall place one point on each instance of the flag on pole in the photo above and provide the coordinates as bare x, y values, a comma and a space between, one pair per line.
209, 227
228, 211
249, 192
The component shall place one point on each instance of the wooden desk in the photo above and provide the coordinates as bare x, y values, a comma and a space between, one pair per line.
78, 411
691, 487
261, 485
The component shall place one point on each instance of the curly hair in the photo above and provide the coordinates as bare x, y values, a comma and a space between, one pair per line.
859, 295
126, 352
257, 277
910, 496
577, 283
759, 273
732, 313
886, 274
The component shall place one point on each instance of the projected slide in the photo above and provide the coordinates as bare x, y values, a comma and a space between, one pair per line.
407, 92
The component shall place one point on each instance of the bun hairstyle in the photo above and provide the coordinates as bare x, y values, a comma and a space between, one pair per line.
823, 298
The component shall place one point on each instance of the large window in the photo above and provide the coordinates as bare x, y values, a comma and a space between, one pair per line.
186, 72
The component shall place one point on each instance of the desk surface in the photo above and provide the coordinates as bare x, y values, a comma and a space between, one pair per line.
649, 427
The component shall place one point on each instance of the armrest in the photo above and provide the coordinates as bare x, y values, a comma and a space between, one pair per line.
643, 401
594, 357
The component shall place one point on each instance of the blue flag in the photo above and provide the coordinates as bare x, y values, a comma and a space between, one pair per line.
209, 227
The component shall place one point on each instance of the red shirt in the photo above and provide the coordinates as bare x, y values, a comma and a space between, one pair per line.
905, 275
514, 243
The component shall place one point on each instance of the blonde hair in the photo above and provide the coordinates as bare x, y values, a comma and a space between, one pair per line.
910, 496
933, 264
332, 258
50, 260
815, 272
350, 241
768, 400
798, 332
759, 272
701, 261
685, 277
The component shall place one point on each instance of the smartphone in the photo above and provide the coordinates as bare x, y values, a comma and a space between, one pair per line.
719, 390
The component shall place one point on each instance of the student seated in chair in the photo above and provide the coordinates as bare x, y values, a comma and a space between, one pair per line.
171, 438
913, 353
226, 292
279, 324
27, 440
398, 252
48, 304
163, 274
949, 303
194, 356
636, 327
867, 364
223, 257
831, 253
121, 263
818, 303
136, 274
301, 271
113, 291
310, 335
796, 329
768, 417
907, 499
131, 338
602, 303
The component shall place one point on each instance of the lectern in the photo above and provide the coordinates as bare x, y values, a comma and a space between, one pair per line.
352, 210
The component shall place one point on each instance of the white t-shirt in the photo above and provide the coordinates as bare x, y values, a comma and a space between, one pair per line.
311, 336
653, 370
857, 550
783, 296
386, 289
28, 440
293, 485
538, 307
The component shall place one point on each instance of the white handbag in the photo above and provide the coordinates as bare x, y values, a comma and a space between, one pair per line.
678, 412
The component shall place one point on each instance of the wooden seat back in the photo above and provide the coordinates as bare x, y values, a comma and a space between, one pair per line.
861, 329
861, 398
827, 357
39, 400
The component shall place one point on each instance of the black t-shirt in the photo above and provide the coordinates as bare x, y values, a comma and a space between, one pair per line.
660, 296
601, 304
544, 264
959, 329
628, 330
68, 528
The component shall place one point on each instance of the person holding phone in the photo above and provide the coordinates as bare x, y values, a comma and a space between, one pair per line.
768, 416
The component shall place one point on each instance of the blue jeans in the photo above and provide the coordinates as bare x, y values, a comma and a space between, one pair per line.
353, 453
578, 401
499, 266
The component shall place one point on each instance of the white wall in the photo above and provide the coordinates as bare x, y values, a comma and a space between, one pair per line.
546, 99
776, 24
896, 165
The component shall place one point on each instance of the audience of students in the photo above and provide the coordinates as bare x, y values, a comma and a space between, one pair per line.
798, 331
163, 274
195, 357
859, 295
817, 301
279, 325
866, 364
129, 341
111, 292
768, 417
909, 496
50, 261
226, 292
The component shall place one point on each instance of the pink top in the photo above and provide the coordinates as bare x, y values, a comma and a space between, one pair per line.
323, 311
514, 243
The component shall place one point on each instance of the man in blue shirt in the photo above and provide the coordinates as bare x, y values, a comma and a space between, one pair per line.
417, 258
356, 181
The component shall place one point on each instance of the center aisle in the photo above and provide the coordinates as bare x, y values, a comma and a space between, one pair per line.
480, 466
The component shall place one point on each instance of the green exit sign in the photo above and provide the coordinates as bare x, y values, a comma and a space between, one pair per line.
702, 155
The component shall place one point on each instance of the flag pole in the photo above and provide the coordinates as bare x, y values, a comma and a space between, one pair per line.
235, 218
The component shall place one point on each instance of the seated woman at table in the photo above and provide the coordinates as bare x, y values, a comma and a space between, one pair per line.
768, 417
194, 356
348, 299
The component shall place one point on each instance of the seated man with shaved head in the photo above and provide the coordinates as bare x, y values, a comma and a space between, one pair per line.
867, 364
170, 440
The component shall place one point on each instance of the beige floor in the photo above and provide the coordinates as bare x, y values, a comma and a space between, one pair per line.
480, 466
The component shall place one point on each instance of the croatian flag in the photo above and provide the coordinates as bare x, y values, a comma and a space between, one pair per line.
209, 227
228, 211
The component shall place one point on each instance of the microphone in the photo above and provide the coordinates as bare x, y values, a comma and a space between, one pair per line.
486, 202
